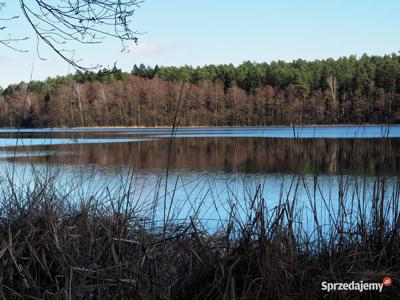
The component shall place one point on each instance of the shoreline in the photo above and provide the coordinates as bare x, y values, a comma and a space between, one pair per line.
195, 127
266, 126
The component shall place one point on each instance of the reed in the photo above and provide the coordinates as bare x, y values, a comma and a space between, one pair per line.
55, 245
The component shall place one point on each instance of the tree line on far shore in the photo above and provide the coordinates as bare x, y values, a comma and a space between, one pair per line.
348, 90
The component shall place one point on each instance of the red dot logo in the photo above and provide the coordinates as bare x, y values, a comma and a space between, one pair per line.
387, 281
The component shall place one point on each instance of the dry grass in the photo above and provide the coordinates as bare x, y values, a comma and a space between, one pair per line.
94, 248
54, 249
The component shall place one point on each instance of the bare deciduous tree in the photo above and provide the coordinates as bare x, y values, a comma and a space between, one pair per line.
332, 84
61, 23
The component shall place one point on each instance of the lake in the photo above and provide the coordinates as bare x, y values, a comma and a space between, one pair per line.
211, 171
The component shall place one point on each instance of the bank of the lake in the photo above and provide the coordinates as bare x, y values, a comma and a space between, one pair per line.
247, 212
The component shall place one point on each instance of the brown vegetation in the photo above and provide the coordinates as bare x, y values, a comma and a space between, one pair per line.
54, 246
137, 101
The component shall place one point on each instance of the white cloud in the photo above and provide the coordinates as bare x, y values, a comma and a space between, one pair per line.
148, 49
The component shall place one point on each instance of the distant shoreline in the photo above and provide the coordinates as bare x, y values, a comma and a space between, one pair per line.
195, 127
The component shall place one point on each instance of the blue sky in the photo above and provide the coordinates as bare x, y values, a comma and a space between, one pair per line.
179, 32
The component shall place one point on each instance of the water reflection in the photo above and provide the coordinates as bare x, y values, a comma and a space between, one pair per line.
249, 155
210, 172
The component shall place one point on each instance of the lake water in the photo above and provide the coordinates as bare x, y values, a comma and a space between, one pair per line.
211, 171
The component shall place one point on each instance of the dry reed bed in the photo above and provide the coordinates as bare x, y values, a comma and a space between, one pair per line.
52, 249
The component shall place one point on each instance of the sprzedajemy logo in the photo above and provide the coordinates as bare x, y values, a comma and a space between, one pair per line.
360, 286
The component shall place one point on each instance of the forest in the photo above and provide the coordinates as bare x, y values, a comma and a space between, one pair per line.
348, 90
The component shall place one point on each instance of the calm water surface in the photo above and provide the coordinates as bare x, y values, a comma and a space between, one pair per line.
210, 168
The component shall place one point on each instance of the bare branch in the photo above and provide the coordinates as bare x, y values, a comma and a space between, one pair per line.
63, 22
9, 41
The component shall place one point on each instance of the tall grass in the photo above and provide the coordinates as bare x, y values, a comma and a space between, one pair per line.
108, 245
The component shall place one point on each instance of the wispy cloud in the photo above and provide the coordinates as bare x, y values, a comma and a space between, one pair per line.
148, 49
